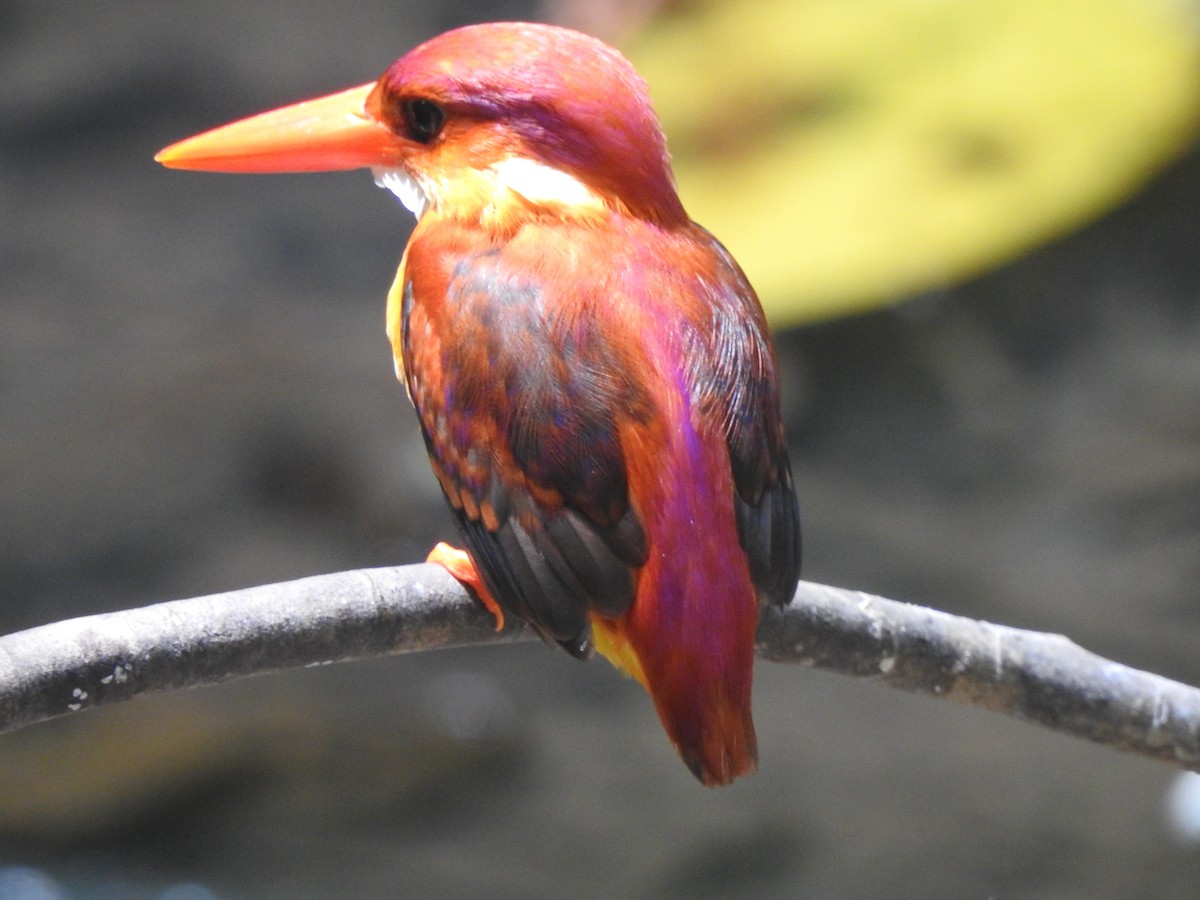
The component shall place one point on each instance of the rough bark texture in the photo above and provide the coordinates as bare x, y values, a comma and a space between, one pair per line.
1043, 678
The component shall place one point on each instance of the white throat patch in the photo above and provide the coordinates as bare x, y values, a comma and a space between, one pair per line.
404, 186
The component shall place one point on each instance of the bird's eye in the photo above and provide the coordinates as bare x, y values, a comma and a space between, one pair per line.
423, 119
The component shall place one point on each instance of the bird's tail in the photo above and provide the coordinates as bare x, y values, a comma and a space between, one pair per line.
689, 635
689, 639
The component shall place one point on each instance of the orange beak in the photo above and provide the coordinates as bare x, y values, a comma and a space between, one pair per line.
333, 132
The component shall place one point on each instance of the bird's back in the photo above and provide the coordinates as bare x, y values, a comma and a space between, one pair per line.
601, 407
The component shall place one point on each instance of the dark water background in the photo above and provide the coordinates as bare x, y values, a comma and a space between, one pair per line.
196, 395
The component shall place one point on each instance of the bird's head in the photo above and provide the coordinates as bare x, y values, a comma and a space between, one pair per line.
478, 118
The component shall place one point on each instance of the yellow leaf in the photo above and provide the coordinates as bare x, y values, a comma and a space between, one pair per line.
853, 152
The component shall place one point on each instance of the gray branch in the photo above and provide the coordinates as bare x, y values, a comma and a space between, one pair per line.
56, 669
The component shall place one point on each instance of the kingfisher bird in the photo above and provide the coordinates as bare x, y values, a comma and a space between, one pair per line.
592, 371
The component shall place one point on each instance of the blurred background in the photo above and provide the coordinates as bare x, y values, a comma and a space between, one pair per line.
975, 228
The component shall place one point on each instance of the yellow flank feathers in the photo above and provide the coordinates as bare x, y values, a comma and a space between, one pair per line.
392, 316
616, 649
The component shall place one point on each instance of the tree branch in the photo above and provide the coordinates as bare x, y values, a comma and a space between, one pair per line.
60, 668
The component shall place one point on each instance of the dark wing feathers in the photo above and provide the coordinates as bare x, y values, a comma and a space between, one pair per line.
544, 506
545, 511
599, 561
732, 369
769, 531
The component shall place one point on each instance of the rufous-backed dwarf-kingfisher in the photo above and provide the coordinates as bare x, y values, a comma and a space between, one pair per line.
592, 371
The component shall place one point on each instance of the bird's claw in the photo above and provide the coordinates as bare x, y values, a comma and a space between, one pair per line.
458, 564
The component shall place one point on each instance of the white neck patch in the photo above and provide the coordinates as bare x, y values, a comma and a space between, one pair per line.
404, 186
544, 185
536, 182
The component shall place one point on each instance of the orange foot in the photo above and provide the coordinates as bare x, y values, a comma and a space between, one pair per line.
459, 564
